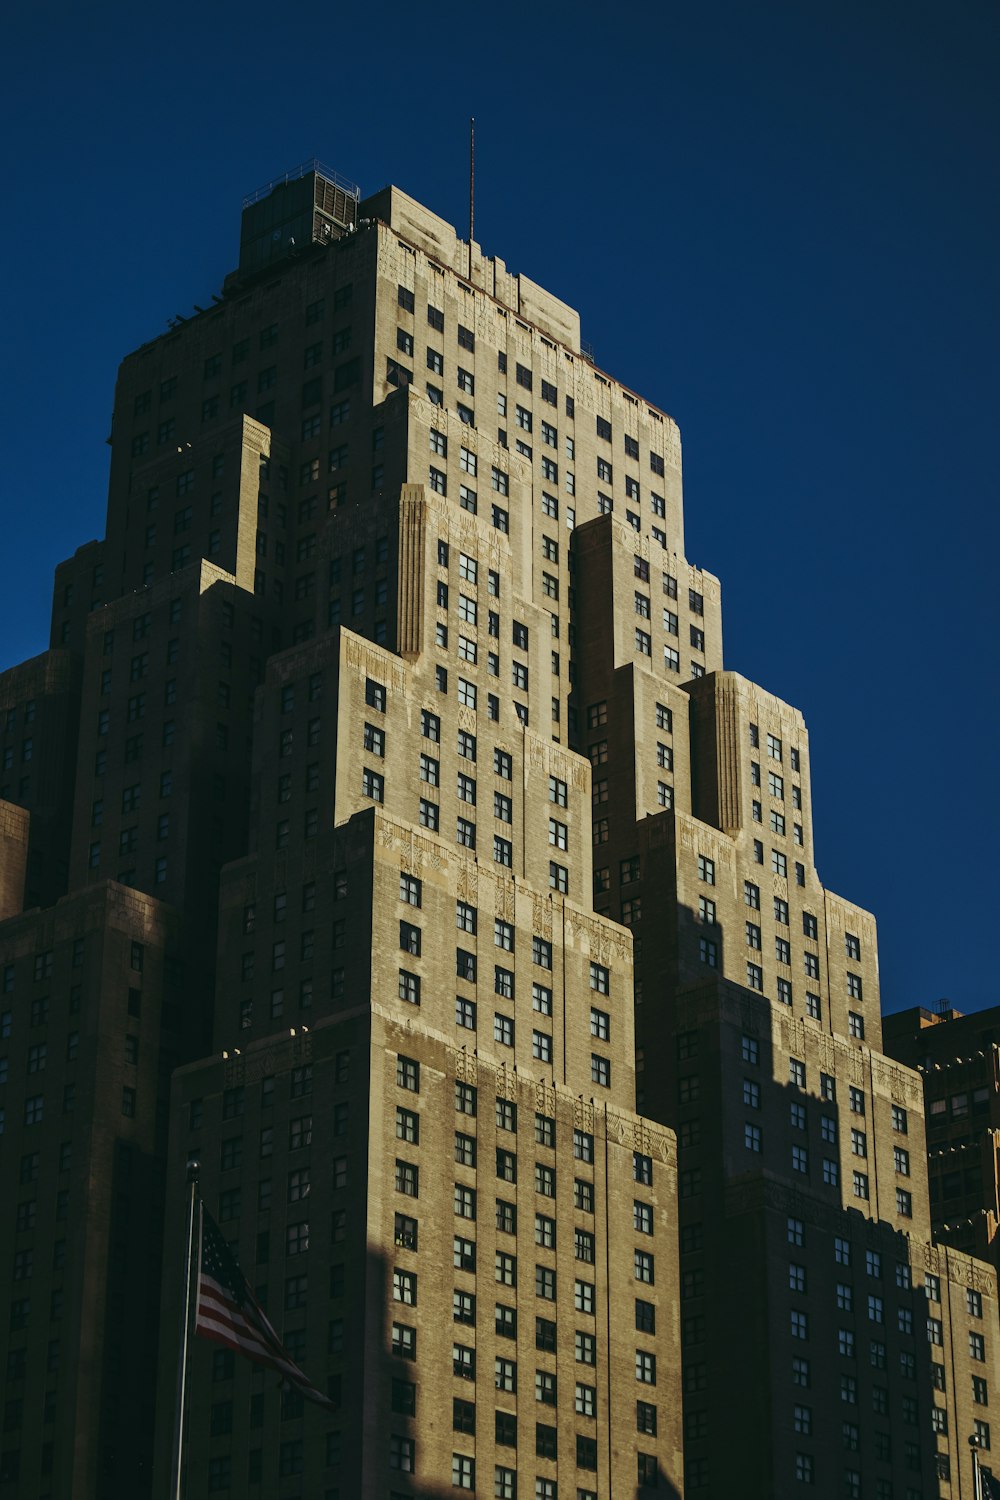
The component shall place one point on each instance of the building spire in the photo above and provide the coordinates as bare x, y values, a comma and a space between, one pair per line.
472, 187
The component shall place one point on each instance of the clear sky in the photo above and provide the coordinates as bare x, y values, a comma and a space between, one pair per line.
779, 222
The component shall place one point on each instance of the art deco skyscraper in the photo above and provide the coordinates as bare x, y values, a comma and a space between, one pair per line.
531, 1070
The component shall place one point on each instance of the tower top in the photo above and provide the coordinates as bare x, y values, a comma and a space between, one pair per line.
311, 204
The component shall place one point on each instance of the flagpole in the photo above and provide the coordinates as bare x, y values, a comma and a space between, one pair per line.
977, 1481
175, 1484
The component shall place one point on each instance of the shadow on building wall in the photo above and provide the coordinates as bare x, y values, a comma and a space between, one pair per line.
765, 1155
131, 1330
351, 1452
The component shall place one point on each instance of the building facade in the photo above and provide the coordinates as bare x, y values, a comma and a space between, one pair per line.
958, 1058
383, 831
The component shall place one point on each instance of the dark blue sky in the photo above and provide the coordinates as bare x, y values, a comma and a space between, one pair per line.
779, 222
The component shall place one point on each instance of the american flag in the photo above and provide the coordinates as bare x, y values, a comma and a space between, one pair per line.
228, 1312
988, 1487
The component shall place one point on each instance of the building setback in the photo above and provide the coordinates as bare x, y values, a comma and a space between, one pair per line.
383, 831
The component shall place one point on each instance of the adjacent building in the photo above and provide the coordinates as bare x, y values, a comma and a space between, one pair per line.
958, 1057
383, 831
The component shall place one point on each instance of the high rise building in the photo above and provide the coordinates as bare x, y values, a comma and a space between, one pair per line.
958, 1057
399, 848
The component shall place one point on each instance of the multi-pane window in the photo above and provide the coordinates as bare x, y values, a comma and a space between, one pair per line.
503, 1030
541, 1046
541, 952
583, 1145
642, 1217
600, 1024
407, 1178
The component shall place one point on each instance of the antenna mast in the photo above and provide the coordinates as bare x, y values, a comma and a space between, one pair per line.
472, 186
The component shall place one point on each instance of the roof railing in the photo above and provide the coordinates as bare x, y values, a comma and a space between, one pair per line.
303, 170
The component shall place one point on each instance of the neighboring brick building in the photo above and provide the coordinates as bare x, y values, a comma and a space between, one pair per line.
90, 1004
959, 1059
532, 1072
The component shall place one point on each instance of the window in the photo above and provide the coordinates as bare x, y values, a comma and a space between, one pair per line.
465, 1098
600, 1070
408, 1074
463, 1469
407, 1125
749, 1049
465, 833
503, 1030
464, 1197
430, 770
429, 814
373, 785
541, 1046
407, 1178
409, 987
583, 1145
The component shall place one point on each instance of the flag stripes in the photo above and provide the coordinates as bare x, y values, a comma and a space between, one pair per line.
228, 1313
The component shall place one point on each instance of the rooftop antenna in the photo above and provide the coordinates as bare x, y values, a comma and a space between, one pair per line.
472, 186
